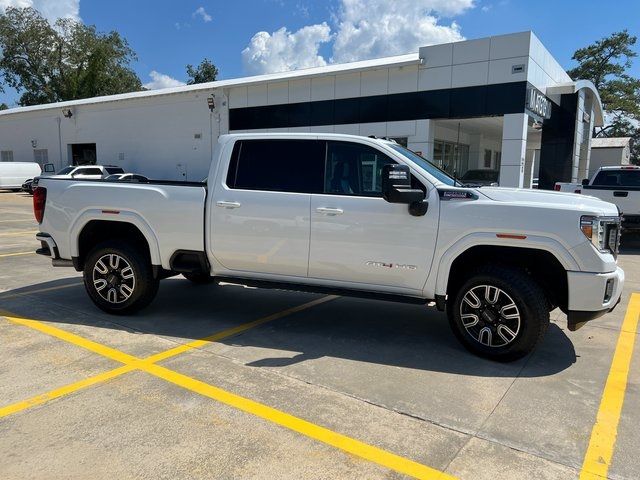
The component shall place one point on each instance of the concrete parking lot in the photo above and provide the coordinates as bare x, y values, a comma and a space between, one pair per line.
233, 382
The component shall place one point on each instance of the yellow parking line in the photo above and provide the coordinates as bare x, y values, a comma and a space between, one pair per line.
102, 377
603, 436
85, 343
13, 234
355, 447
15, 254
62, 391
216, 337
38, 290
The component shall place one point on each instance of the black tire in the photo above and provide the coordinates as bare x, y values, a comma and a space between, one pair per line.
132, 264
518, 289
198, 278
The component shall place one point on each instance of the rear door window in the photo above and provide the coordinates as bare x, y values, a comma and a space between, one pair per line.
277, 165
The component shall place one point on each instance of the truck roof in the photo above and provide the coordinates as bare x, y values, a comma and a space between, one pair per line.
621, 167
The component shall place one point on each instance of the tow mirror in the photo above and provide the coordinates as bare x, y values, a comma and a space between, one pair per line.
396, 188
585, 182
49, 168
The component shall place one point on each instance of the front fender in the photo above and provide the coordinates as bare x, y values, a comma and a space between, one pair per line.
437, 282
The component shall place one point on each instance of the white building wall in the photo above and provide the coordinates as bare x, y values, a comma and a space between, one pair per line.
608, 157
153, 134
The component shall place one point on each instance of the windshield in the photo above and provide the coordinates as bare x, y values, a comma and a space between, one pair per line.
113, 170
427, 165
65, 170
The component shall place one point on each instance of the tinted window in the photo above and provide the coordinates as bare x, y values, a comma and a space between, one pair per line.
277, 165
113, 170
618, 178
65, 170
354, 169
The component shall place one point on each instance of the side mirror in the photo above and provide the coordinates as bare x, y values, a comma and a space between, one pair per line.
49, 168
585, 182
396, 188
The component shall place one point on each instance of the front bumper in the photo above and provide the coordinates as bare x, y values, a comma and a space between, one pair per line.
592, 295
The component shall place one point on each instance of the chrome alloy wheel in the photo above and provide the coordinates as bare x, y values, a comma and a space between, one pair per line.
490, 316
113, 278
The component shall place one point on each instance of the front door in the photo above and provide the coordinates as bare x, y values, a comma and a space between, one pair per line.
358, 237
260, 210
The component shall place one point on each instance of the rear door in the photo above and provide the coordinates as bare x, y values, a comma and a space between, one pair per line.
260, 210
358, 237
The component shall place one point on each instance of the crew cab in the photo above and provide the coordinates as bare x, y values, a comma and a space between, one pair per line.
349, 215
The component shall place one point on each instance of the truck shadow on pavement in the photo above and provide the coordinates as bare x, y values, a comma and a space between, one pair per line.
376, 332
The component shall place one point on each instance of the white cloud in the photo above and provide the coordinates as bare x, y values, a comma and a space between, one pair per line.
283, 50
50, 9
201, 12
160, 80
364, 29
378, 28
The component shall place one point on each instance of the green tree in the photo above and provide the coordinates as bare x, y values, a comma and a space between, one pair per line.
203, 73
4, 106
68, 60
606, 63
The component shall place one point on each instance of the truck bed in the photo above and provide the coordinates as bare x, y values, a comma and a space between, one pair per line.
170, 214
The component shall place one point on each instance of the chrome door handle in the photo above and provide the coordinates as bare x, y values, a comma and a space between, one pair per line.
329, 211
225, 204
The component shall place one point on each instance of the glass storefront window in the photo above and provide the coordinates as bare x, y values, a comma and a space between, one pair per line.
452, 158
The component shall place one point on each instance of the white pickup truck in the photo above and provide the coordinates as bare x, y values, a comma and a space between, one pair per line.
621, 186
348, 215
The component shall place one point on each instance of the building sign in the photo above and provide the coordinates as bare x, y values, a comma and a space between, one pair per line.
538, 103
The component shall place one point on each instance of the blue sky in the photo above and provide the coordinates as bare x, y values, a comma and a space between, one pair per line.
167, 35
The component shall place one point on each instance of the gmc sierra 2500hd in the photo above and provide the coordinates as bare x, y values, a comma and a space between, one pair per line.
348, 215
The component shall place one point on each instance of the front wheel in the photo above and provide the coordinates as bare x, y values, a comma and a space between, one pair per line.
119, 278
499, 313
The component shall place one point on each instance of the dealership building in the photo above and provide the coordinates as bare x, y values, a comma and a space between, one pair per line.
501, 103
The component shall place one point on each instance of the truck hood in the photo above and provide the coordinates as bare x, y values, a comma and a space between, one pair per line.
570, 201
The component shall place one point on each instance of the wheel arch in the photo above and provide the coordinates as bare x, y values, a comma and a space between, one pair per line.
94, 230
544, 259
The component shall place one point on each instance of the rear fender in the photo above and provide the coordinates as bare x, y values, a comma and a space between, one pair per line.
122, 216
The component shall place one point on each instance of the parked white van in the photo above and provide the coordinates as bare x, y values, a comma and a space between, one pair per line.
14, 174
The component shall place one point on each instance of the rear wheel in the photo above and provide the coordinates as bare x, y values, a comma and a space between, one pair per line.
499, 313
119, 278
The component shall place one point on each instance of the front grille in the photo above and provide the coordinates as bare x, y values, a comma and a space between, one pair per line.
612, 236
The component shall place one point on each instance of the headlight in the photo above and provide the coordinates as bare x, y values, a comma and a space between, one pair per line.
603, 232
